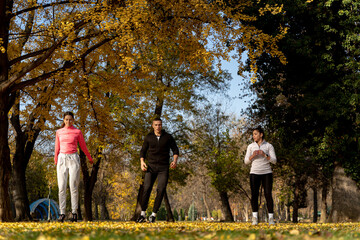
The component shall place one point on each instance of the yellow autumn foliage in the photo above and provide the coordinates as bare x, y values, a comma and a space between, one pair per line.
123, 194
178, 230
109, 44
73, 55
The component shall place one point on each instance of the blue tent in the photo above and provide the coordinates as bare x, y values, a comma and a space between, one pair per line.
40, 208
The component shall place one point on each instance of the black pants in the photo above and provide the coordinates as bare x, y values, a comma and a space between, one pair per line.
266, 180
153, 172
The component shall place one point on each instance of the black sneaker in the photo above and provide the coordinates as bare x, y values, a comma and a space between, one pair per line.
61, 218
74, 217
152, 219
141, 219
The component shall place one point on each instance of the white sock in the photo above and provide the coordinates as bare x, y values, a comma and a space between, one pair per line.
271, 215
255, 214
153, 214
143, 213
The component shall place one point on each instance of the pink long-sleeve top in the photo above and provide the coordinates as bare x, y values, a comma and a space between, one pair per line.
66, 142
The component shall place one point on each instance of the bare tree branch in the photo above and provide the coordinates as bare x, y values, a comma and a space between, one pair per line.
66, 66
48, 5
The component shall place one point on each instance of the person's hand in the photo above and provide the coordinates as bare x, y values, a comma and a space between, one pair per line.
253, 155
143, 166
173, 164
261, 152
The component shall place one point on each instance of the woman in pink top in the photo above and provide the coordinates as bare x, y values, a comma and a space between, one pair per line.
67, 162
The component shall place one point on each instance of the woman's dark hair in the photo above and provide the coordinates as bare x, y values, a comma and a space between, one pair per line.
67, 114
260, 130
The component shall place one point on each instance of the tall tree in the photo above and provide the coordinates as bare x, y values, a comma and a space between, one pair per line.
218, 151
18, 72
60, 41
308, 103
25, 137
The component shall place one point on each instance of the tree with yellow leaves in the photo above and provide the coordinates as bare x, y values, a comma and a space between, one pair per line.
27, 125
49, 39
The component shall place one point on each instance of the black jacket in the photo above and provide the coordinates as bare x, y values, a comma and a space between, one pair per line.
158, 151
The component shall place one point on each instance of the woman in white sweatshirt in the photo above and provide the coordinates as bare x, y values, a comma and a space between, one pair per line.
260, 154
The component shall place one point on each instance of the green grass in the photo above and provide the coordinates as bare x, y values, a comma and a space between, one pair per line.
178, 230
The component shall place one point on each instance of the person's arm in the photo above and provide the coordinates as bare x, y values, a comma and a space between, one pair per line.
249, 158
175, 150
143, 152
143, 165
173, 146
173, 164
84, 148
57, 148
272, 156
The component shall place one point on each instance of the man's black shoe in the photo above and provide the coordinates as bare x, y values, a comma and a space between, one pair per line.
74, 217
61, 218
152, 219
141, 219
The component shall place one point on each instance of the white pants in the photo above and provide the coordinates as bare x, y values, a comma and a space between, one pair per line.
68, 164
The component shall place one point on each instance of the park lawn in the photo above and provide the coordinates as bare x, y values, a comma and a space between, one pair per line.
178, 230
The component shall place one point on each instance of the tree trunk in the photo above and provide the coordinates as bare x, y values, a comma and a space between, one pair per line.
19, 194
96, 210
324, 192
104, 213
89, 183
295, 205
206, 206
246, 211
79, 209
23, 151
5, 164
169, 213
24, 147
6, 102
288, 213
345, 205
87, 203
226, 207
5, 169
138, 202
160, 96
18, 179
315, 213
299, 195
282, 211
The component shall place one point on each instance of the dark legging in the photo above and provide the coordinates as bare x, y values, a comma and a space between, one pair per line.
266, 180
162, 174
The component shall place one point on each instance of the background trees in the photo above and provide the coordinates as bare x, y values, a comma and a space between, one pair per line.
67, 42
307, 104
117, 63
217, 151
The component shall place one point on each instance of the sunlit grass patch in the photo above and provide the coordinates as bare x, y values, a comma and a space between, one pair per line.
178, 230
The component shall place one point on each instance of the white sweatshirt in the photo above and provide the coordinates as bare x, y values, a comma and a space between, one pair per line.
259, 164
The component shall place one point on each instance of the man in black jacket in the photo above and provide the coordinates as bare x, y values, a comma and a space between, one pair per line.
156, 146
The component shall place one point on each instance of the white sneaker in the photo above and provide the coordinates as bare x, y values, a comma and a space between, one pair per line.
271, 221
255, 221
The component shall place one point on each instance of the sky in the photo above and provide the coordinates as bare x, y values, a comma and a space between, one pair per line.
235, 104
